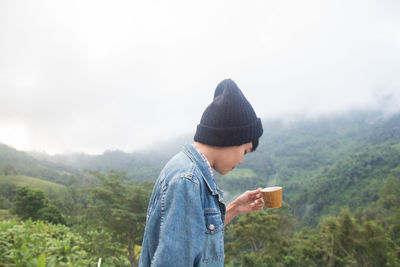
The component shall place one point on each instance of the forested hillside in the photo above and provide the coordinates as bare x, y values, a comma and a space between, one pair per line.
14, 162
303, 155
341, 186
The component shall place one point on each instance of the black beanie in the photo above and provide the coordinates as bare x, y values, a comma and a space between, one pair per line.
229, 120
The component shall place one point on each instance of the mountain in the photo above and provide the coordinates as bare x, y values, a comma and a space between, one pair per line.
326, 163
14, 162
354, 181
323, 163
140, 166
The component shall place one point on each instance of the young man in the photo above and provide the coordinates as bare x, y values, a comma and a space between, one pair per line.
186, 218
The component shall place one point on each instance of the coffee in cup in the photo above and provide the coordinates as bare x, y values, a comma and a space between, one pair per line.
272, 197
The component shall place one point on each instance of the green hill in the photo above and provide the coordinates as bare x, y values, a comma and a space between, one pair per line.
48, 187
322, 163
354, 181
14, 162
9, 184
325, 163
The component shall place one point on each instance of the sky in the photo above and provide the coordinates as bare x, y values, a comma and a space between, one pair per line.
89, 76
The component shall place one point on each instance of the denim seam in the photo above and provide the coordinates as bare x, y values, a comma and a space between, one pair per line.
162, 206
189, 154
188, 175
156, 197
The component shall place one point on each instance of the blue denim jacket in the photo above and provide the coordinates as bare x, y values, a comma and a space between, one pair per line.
185, 217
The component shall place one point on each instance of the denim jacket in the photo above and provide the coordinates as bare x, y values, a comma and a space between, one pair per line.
185, 217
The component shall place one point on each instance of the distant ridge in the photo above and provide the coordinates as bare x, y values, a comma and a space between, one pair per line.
310, 158
24, 164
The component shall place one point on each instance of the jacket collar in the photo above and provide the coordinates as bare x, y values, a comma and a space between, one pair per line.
194, 155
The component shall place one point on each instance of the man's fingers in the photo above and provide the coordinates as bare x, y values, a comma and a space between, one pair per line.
256, 206
258, 190
258, 201
254, 193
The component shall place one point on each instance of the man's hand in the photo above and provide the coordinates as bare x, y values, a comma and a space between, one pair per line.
247, 202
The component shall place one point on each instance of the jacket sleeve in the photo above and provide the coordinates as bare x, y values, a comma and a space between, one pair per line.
182, 224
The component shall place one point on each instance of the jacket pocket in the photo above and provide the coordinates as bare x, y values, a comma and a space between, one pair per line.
213, 221
213, 253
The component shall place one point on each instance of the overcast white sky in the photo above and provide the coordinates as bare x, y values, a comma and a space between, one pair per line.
94, 75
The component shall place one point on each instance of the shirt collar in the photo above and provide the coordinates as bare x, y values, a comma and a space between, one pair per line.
195, 155
205, 160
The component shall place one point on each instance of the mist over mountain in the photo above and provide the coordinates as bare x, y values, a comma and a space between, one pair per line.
287, 143
312, 158
13, 162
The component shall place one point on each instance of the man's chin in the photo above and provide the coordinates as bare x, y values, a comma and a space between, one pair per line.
224, 172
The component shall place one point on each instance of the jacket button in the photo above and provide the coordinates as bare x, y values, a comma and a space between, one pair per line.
211, 227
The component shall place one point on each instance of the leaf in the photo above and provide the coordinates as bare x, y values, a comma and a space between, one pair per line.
41, 261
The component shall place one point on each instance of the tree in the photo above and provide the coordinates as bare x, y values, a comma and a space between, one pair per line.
28, 202
120, 207
346, 242
390, 193
9, 169
7, 194
261, 238
32, 203
51, 214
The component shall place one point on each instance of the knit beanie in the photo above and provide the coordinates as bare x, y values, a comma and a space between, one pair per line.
229, 120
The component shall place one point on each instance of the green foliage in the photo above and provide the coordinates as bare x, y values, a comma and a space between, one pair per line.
354, 182
51, 214
41, 261
101, 242
323, 165
28, 202
260, 237
110, 217
33, 243
13, 162
7, 193
390, 194
9, 169
120, 208
50, 188
5, 215
369, 237
344, 242
33, 204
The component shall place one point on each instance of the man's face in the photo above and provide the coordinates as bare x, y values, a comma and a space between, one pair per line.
229, 157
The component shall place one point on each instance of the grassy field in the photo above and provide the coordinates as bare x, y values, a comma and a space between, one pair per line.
45, 186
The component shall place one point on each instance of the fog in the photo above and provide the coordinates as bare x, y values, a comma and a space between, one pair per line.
95, 75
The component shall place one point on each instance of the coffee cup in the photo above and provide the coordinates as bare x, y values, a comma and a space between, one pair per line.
272, 197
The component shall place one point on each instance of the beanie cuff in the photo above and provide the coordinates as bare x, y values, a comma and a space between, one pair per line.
234, 136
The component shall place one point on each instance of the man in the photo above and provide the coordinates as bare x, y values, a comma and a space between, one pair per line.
186, 218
